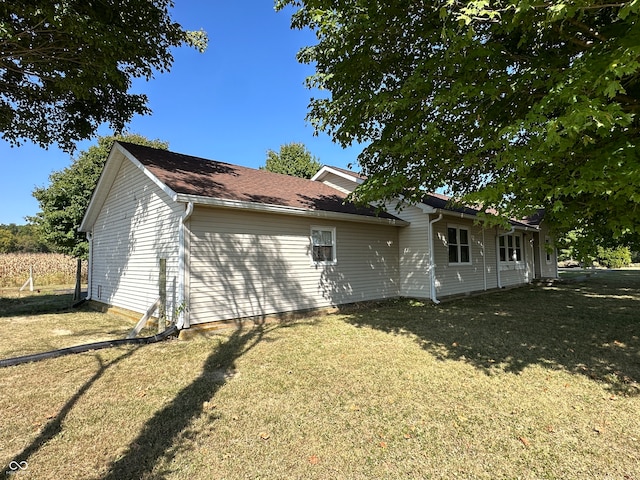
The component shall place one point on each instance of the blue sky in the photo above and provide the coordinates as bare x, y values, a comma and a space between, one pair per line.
243, 96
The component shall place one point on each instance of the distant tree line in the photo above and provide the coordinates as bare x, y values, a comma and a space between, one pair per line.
21, 239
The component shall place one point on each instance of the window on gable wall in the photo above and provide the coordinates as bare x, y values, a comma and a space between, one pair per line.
511, 248
458, 244
323, 248
547, 248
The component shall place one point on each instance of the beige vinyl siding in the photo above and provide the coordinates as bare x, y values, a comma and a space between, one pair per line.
252, 264
137, 225
415, 264
339, 183
548, 268
518, 273
456, 278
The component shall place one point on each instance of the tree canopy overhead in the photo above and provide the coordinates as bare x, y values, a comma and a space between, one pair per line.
510, 104
66, 66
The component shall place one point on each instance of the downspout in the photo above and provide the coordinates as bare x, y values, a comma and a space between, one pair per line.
89, 265
484, 260
525, 254
183, 321
498, 252
432, 262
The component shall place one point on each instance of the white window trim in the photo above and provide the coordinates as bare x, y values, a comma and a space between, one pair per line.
458, 228
548, 254
323, 228
511, 261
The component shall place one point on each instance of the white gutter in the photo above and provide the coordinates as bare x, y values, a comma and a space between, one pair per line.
432, 263
284, 210
89, 264
183, 319
451, 213
498, 253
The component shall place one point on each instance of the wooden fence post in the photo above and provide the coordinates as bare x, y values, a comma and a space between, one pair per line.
162, 308
78, 291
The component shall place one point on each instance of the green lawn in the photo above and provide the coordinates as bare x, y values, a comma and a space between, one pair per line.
535, 382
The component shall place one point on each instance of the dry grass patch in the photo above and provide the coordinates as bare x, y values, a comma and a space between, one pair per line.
46, 321
529, 383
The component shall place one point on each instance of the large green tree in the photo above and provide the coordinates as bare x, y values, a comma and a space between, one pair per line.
292, 159
66, 66
510, 104
64, 201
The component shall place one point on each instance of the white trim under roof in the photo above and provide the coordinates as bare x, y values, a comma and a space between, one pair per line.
284, 210
517, 225
326, 169
116, 157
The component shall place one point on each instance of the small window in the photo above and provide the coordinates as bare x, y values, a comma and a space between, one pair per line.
510, 248
458, 244
323, 247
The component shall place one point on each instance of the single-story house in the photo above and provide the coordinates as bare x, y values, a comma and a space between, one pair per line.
241, 242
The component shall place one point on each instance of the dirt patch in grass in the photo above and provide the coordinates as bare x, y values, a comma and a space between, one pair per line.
530, 383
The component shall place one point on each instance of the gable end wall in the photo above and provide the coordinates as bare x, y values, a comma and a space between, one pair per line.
137, 225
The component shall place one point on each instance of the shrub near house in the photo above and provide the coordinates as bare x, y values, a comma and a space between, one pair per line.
48, 269
614, 257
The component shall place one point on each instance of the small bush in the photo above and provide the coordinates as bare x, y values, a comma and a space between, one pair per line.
614, 257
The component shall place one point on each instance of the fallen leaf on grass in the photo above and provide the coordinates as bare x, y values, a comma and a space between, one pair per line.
383, 444
314, 459
265, 435
524, 441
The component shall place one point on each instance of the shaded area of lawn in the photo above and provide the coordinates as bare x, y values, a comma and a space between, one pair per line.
54, 426
160, 433
47, 320
537, 382
590, 328
29, 304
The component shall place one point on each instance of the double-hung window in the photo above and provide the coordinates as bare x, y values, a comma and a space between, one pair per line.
548, 250
458, 244
323, 245
510, 248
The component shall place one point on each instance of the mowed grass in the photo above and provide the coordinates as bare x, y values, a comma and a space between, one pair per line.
46, 320
534, 383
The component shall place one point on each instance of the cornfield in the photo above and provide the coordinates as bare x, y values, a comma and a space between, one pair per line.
48, 269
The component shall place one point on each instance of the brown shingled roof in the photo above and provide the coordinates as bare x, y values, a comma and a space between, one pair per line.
189, 175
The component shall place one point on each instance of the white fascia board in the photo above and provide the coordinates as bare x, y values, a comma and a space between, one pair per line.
150, 175
451, 213
112, 167
428, 209
107, 177
325, 169
283, 210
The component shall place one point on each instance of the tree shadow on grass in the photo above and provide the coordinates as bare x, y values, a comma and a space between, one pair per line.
590, 328
29, 304
160, 434
54, 426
